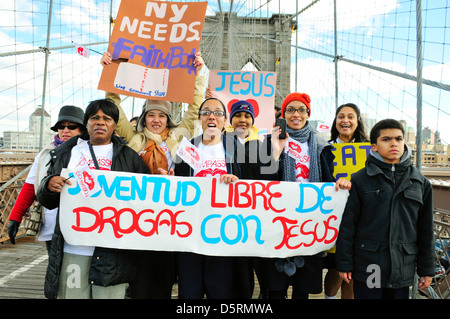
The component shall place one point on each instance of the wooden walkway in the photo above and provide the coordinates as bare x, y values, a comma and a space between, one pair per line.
22, 269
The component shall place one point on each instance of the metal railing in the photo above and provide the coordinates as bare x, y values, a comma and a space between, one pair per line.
8, 195
440, 288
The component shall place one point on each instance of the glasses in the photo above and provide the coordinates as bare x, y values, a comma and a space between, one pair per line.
216, 113
70, 127
291, 110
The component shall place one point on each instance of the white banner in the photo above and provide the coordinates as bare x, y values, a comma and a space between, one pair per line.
202, 215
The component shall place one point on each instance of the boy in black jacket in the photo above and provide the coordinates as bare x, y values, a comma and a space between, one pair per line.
387, 227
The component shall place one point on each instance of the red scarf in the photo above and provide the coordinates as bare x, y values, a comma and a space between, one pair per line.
154, 156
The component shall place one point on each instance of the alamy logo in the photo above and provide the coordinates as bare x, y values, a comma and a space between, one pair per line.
374, 279
74, 276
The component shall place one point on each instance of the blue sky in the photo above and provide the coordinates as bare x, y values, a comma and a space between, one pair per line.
365, 33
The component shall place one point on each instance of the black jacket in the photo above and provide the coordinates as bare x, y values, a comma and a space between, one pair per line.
108, 266
241, 160
387, 222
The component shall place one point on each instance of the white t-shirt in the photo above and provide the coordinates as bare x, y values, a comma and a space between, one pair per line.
300, 153
242, 140
302, 165
79, 157
214, 164
48, 227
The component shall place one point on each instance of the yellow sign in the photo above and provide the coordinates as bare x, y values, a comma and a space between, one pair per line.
349, 158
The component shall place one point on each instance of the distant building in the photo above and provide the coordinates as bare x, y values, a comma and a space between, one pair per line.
442, 159
428, 136
368, 122
410, 134
431, 157
433, 151
30, 140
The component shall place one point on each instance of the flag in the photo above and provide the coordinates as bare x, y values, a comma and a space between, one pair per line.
190, 154
86, 181
323, 127
83, 51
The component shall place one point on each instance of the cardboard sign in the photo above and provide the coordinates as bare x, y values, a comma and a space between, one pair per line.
349, 158
153, 47
202, 215
258, 88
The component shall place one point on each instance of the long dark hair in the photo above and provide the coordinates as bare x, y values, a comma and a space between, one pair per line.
359, 135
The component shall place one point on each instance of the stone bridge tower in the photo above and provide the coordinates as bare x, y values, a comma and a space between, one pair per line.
229, 42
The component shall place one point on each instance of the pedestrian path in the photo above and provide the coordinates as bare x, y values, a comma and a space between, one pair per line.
23, 267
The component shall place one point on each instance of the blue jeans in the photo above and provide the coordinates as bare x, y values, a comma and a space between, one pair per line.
361, 291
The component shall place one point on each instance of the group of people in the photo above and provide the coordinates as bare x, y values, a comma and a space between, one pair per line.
387, 219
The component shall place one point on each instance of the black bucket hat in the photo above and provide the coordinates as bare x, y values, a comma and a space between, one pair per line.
70, 113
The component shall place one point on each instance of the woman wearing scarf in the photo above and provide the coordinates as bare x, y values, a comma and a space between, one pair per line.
156, 139
304, 273
69, 124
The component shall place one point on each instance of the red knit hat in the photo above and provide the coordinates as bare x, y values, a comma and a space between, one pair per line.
302, 97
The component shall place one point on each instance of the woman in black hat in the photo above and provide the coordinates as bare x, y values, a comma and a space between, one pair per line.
69, 124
